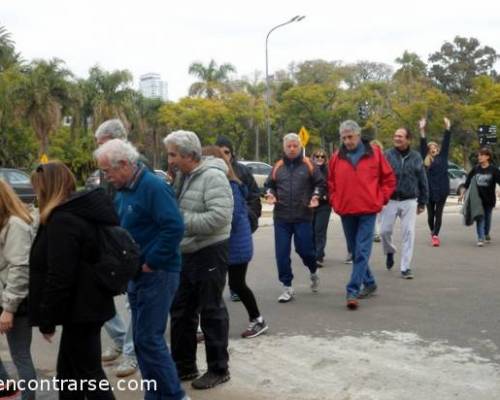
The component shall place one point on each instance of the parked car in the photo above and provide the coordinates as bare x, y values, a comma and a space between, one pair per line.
457, 181
455, 167
260, 171
20, 182
94, 179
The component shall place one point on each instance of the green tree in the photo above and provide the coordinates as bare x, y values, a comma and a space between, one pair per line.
213, 79
8, 55
412, 68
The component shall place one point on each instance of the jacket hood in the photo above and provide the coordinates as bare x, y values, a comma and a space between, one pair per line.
212, 162
93, 205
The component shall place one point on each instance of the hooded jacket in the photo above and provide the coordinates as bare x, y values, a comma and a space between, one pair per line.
206, 201
62, 287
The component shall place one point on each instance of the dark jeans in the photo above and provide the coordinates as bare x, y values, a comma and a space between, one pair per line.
79, 359
435, 215
237, 283
483, 224
358, 231
320, 226
150, 297
199, 296
19, 341
302, 233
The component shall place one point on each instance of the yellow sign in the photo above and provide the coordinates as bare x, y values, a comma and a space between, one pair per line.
304, 136
44, 159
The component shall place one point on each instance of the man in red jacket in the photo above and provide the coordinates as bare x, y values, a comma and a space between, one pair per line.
360, 183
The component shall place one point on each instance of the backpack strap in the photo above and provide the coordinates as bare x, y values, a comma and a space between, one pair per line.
277, 166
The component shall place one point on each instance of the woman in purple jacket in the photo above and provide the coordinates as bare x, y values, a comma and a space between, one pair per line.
240, 250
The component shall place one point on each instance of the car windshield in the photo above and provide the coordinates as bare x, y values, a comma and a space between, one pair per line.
18, 178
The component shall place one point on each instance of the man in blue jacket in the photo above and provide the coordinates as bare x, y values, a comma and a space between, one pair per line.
147, 208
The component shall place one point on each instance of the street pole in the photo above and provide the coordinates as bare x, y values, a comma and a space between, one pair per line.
297, 18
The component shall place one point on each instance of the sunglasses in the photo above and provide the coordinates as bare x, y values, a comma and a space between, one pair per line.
227, 152
319, 156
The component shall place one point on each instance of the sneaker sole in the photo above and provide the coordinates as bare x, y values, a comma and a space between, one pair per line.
189, 377
223, 380
406, 277
257, 334
285, 301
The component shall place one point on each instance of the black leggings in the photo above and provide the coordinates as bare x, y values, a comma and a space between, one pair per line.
435, 215
237, 283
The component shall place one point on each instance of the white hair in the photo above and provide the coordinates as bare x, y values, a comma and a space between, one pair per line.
117, 150
186, 142
291, 137
113, 129
350, 126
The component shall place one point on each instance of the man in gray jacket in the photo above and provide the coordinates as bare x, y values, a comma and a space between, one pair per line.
206, 202
408, 200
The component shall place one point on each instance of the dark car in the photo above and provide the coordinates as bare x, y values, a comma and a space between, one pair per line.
20, 182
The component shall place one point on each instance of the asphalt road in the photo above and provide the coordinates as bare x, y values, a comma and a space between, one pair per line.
434, 337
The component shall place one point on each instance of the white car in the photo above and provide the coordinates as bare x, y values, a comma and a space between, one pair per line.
260, 171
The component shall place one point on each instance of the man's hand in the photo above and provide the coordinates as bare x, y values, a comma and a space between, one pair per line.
447, 123
48, 336
6, 321
421, 125
270, 199
145, 268
314, 202
461, 198
420, 209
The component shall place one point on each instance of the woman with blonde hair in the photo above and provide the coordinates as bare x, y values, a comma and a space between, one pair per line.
240, 249
16, 236
63, 290
436, 165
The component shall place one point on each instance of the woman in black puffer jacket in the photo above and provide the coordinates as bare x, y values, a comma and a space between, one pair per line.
62, 289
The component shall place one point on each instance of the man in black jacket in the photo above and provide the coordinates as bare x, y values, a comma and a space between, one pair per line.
294, 186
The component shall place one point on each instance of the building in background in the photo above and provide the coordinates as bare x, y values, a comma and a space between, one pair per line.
151, 86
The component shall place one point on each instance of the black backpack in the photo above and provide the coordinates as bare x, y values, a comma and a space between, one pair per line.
118, 261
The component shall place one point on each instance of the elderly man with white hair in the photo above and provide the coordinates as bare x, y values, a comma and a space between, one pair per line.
294, 186
147, 209
206, 202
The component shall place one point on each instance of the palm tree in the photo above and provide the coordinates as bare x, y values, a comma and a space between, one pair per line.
213, 79
8, 55
45, 92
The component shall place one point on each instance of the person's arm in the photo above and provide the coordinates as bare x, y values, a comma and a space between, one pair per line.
253, 195
166, 215
331, 179
319, 186
471, 174
270, 186
423, 140
218, 200
445, 144
423, 187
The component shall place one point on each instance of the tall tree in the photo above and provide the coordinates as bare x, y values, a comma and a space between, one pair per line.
454, 67
213, 80
412, 68
8, 55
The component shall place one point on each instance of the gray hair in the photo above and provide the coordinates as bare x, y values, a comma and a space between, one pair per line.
186, 142
350, 126
112, 128
117, 150
291, 137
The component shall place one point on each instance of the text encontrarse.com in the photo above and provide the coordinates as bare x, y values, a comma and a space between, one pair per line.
55, 384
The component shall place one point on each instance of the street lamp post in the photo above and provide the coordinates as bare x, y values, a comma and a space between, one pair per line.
297, 18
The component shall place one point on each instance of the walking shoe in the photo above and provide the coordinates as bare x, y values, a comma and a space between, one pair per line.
188, 375
348, 259
287, 295
126, 367
315, 282
352, 303
376, 238
234, 297
480, 243
319, 263
435, 241
407, 274
111, 354
255, 328
487, 239
367, 291
389, 260
210, 379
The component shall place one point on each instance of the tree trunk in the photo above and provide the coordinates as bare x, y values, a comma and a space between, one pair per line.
257, 156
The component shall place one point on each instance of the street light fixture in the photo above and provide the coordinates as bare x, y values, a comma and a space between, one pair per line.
297, 18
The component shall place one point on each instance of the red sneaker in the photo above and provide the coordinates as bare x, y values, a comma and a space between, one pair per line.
435, 241
352, 304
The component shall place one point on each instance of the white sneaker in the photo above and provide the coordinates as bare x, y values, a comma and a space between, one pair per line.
348, 259
287, 295
315, 282
127, 367
111, 354
480, 243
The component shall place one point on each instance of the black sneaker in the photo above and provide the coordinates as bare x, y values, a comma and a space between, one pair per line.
188, 374
407, 274
319, 263
210, 379
389, 260
487, 238
367, 291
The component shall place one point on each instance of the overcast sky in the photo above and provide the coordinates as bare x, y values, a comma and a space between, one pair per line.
167, 36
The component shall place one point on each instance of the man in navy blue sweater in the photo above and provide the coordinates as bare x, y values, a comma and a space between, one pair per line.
148, 210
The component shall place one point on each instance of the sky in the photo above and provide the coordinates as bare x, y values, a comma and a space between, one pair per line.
167, 36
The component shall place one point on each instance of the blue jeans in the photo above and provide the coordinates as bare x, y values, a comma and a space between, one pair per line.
150, 297
358, 230
302, 233
483, 224
122, 336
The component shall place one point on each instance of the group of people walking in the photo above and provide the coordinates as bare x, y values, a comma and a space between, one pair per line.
191, 234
